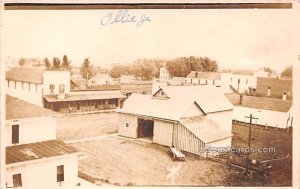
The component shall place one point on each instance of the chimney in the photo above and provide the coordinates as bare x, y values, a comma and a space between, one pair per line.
241, 99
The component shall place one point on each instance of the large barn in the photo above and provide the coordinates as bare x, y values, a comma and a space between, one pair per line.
190, 118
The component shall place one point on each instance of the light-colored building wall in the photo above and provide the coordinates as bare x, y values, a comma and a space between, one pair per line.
198, 81
32, 130
43, 173
56, 78
223, 119
29, 92
127, 125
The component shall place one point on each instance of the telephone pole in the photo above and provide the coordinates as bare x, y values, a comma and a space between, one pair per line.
249, 140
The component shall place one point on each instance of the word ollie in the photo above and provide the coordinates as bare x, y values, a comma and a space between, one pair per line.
123, 16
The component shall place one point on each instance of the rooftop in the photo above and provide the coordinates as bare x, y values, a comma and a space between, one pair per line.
205, 129
180, 100
85, 95
32, 75
204, 75
17, 109
264, 103
38, 150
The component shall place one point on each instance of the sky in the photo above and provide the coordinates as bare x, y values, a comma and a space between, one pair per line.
236, 39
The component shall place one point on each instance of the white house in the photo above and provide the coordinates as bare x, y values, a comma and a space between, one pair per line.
203, 78
25, 84
190, 118
164, 74
34, 158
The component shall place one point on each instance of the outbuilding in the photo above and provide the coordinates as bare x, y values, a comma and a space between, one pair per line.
190, 118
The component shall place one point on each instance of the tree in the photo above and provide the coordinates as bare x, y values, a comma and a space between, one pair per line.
288, 72
86, 69
143, 68
118, 70
66, 63
47, 63
182, 66
56, 63
22, 61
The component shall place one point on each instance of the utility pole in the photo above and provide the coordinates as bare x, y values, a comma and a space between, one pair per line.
249, 141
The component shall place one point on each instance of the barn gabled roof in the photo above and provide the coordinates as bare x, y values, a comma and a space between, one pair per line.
209, 99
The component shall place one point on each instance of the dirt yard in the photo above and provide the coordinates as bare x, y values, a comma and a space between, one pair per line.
73, 127
129, 162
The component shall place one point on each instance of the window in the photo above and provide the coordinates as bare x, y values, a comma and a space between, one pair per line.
15, 84
17, 180
60, 173
213, 82
127, 124
36, 88
61, 89
22, 86
284, 93
269, 87
51, 87
162, 93
28, 86
15, 134
7, 83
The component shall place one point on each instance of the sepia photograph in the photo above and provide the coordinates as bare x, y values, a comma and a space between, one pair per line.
149, 94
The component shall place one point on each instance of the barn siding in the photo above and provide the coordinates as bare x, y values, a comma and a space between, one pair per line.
131, 130
163, 133
187, 141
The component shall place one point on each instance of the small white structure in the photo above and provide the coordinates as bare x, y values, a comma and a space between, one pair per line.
34, 158
185, 117
101, 79
164, 74
25, 84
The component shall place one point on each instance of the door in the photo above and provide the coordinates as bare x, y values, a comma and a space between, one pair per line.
15, 134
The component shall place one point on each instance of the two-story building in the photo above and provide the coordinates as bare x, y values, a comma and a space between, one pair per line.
164, 74
34, 158
52, 89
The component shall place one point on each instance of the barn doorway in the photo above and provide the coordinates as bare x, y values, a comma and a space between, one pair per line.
145, 128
